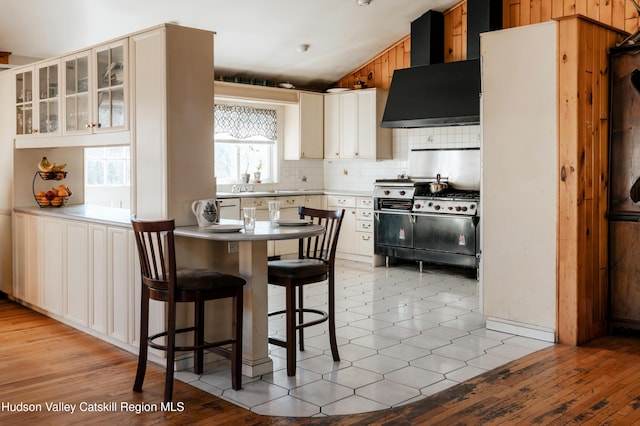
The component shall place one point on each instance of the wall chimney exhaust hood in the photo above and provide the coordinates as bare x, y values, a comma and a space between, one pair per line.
445, 94
431, 93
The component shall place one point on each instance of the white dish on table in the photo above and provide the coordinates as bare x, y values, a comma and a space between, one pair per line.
293, 222
224, 228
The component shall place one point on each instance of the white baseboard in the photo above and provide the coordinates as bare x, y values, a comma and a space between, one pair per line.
520, 329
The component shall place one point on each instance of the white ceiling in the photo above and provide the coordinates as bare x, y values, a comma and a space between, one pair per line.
254, 38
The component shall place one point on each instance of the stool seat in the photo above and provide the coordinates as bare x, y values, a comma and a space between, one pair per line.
205, 280
296, 268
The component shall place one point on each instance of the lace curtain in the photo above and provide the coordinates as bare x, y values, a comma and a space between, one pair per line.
243, 122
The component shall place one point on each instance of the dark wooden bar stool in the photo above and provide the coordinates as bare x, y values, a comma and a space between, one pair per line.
315, 263
161, 281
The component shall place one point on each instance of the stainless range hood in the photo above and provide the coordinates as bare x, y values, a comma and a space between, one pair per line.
432, 93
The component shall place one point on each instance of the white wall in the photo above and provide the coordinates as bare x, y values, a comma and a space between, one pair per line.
519, 179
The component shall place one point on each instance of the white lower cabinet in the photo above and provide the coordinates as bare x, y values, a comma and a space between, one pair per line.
20, 267
364, 225
119, 286
356, 233
27, 258
98, 277
313, 201
346, 241
76, 264
84, 272
28, 266
53, 264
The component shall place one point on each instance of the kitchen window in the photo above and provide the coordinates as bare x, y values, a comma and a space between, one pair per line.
108, 176
246, 142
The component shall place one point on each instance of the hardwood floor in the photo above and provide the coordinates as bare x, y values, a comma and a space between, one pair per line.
43, 361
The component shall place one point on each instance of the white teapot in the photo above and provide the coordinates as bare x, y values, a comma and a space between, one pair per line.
207, 212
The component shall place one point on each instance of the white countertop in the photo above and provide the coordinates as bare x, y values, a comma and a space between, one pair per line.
264, 231
122, 217
284, 193
98, 214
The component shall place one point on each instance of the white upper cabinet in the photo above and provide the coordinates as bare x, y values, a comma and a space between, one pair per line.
351, 127
37, 99
95, 90
68, 98
304, 128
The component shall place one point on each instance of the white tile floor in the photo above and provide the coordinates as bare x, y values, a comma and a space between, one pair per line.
402, 335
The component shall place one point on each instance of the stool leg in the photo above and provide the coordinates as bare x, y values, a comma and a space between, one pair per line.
236, 347
171, 344
144, 333
333, 341
198, 338
291, 329
300, 318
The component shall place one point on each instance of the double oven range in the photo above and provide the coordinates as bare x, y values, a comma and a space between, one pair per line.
413, 223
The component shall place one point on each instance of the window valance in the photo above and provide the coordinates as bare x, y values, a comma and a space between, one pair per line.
244, 122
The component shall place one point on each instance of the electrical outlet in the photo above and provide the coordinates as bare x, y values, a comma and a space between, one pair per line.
232, 247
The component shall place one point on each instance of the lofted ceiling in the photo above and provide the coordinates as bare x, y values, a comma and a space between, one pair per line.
254, 38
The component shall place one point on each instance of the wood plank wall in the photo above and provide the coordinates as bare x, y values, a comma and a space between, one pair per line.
583, 83
378, 72
619, 14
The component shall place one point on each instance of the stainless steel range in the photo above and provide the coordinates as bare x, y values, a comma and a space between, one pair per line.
414, 222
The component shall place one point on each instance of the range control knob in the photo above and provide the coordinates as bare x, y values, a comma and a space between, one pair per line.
430, 204
458, 208
464, 209
472, 206
436, 207
417, 206
402, 192
387, 192
451, 208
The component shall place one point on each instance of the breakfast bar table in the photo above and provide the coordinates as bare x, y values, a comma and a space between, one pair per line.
252, 266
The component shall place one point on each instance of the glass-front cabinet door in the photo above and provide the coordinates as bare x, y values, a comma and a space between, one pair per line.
95, 90
37, 100
76, 94
24, 102
111, 75
48, 98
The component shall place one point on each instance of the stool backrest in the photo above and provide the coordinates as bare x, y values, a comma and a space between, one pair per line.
323, 246
156, 250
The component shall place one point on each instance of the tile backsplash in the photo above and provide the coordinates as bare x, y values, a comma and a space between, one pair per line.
360, 175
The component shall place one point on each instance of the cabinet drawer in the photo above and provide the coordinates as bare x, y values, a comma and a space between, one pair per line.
341, 201
364, 226
260, 203
290, 202
365, 244
365, 202
363, 214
